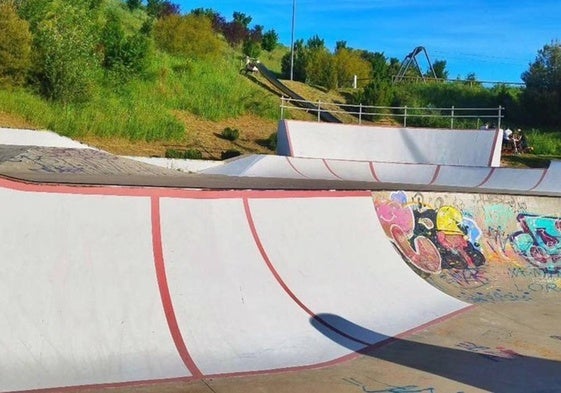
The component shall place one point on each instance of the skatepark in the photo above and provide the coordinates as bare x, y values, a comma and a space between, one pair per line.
381, 260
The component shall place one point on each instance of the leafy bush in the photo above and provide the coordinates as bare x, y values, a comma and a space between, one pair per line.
15, 45
173, 153
65, 43
190, 154
189, 35
126, 55
193, 154
546, 143
230, 134
230, 153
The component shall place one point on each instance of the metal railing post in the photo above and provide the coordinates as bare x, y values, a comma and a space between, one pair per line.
405, 116
499, 118
452, 118
319, 111
360, 113
282, 107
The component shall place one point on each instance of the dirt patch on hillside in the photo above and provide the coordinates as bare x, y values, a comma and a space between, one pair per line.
206, 136
201, 134
9, 120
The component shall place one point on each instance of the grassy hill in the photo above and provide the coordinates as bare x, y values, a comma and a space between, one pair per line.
201, 98
156, 102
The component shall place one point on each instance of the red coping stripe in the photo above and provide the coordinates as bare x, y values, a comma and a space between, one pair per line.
165, 294
283, 284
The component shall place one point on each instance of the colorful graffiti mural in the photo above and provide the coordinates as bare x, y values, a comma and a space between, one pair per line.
516, 257
538, 241
431, 238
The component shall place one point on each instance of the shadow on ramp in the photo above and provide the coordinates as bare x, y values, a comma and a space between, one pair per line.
495, 370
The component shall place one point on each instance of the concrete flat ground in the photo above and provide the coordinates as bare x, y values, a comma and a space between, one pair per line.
506, 347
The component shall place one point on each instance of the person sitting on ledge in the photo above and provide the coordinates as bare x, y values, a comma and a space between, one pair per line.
507, 139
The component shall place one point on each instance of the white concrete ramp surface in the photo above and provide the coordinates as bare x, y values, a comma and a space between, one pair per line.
389, 144
113, 287
108, 286
544, 180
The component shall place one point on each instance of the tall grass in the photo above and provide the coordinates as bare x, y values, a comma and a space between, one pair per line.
545, 143
106, 115
214, 90
142, 108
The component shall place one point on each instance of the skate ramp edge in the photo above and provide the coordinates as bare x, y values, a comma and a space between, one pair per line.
480, 179
389, 144
128, 285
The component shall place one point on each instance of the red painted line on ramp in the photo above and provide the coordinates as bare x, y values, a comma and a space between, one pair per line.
486, 178
165, 294
283, 284
330, 170
373, 171
544, 172
293, 167
435, 176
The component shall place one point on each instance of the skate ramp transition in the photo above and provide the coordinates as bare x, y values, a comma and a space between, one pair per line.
389, 144
109, 286
544, 181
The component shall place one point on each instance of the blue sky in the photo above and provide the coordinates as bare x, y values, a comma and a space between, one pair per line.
496, 40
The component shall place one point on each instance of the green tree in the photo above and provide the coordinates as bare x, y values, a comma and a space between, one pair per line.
134, 4
439, 67
321, 69
15, 45
348, 64
270, 40
65, 45
189, 35
542, 95
251, 49
300, 61
242, 19
161, 8
125, 54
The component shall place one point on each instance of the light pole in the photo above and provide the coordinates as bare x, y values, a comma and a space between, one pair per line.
292, 42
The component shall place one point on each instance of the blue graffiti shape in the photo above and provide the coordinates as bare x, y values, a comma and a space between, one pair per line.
400, 389
539, 241
391, 389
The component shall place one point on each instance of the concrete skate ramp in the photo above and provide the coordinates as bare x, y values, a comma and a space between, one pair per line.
389, 144
15, 136
520, 180
106, 286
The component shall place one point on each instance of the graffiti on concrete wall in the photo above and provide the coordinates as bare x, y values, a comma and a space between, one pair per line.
431, 238
538, 241
477, 247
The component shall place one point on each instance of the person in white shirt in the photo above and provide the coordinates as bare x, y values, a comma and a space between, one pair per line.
507, 138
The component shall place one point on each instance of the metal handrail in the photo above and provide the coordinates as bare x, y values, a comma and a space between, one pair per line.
360, 111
